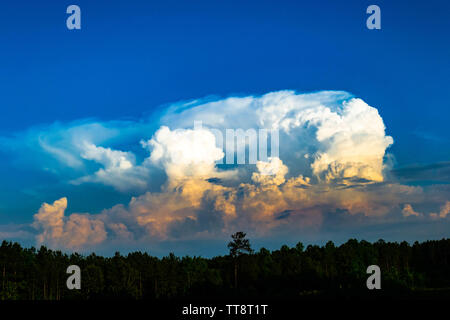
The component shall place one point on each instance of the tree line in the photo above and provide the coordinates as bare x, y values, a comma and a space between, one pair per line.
293, 272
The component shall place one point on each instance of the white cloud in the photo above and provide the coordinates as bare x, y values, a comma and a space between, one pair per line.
353, 143
185, 153
409, 211
77, 231
119, 168
326, 135
270, 172
331, 158
443, 213
338, 137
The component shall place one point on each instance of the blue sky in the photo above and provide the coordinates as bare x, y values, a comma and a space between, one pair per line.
131, 59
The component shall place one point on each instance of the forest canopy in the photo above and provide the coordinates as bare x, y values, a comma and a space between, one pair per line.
293, 272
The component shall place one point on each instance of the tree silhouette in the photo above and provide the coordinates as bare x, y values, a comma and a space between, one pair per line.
420, 270
238, 247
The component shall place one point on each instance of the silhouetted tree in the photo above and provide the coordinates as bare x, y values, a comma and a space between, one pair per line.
237, 247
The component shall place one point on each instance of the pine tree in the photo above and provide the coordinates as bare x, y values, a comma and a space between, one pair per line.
237, 247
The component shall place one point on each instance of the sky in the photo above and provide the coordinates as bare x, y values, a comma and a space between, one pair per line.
98, 150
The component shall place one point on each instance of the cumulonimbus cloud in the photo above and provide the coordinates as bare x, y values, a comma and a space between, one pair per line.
331, 157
